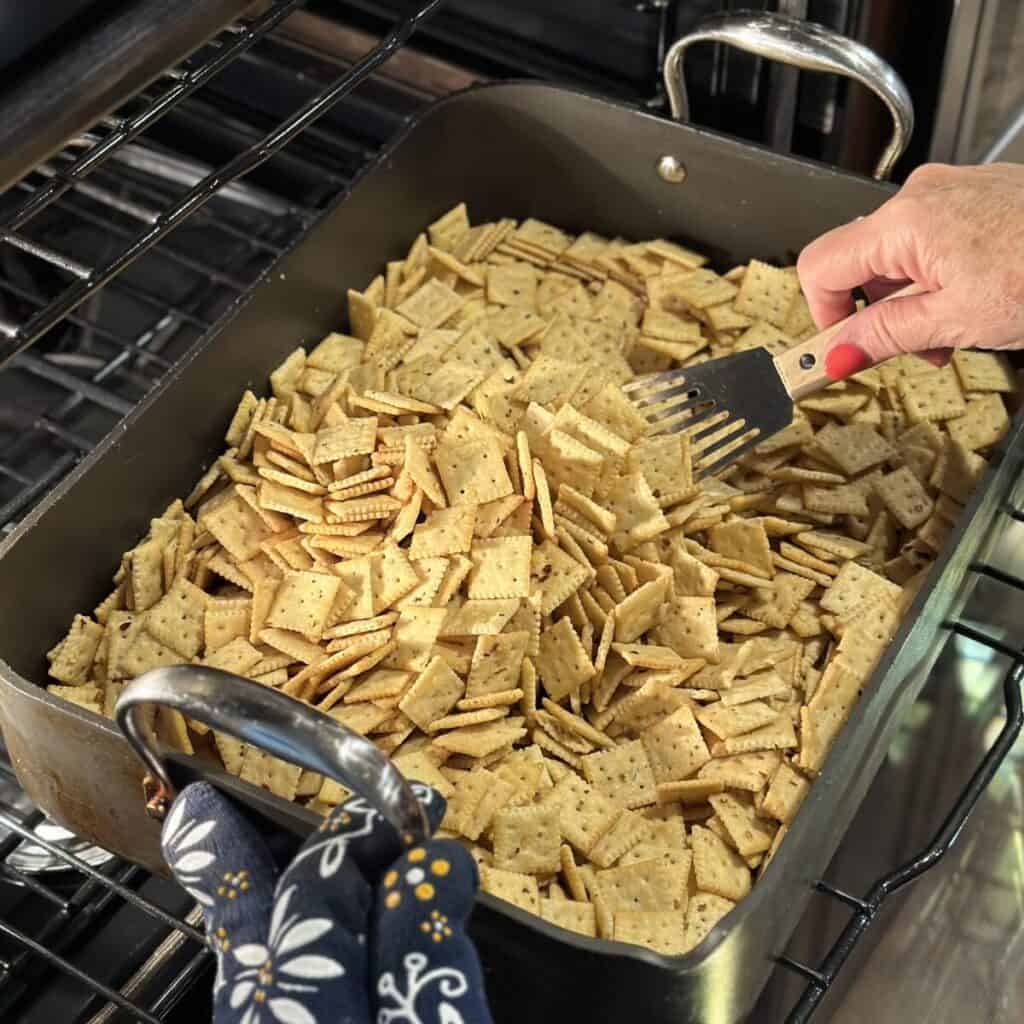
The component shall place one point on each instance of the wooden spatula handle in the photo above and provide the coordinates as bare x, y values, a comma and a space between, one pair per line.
802, 368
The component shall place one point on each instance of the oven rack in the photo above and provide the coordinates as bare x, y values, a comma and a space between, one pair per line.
87, 279
60, 398
81, 900
865, 910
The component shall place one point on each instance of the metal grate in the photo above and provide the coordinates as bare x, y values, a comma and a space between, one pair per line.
145, 950
114, 203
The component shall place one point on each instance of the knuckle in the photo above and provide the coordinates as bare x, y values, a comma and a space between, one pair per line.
929, 174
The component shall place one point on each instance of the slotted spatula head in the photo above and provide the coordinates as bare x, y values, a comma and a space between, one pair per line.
728, 406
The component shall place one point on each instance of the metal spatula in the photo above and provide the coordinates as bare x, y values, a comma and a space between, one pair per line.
732, 404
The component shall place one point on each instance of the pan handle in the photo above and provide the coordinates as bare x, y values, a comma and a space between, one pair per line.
276, 723
801, 44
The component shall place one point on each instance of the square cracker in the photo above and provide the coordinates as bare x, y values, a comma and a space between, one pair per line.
643, 885
433, 694
623, 774
726, 722
472, 473
496, 663
767, 293
514, 284
854, 587
73, 657
675, 746
303, 601
718, 868
933, 396
431, 304
501, 567
983, 424
584, 814
614, 410
689, 627
744, 540
902, 494
478, 796
512, 886
983, 371
479, 618
554, 575
622, 837
705, 910
420, 767
750, 834
641, 609
785, 793
527, 839
481, 740
562, 664
354, 437
572, 915
664, 931
854, 447
446, 531
177, 619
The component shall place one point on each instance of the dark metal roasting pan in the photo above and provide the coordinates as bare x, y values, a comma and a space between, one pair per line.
516, 150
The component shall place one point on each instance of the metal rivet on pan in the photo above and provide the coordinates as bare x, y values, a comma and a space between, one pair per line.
807, 361
671, 170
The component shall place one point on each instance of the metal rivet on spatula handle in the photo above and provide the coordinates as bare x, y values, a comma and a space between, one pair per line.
807, 361
671, 170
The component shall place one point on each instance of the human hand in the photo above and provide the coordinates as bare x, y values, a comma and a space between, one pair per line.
955, 231
346, 932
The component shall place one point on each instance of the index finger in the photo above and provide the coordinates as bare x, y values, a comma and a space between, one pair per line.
849, 257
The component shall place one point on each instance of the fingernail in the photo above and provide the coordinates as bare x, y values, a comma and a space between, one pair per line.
937, 356
844, 360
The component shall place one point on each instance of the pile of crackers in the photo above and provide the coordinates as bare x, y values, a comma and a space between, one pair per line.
451, 531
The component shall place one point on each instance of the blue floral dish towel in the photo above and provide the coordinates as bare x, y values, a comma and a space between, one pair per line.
345, 933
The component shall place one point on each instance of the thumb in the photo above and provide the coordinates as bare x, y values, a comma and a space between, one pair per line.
892, 327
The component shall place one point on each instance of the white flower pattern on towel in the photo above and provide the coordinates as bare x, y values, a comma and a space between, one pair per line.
276, 978
180, 835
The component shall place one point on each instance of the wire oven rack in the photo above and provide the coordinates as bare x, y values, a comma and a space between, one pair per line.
133, 919
101, 336
125, 177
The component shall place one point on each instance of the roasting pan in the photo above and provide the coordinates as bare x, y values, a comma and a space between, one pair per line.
507, 150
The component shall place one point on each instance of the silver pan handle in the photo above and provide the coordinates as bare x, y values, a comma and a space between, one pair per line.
801, 44
276, 723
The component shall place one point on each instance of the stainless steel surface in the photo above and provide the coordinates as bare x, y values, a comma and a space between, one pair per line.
277, 723
980, 111
958, 77
801, 44
1009, 143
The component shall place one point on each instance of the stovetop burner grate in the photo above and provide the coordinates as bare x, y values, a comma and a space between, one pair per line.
145, 949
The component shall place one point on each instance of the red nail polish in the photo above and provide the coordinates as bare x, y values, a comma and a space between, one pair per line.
844, 360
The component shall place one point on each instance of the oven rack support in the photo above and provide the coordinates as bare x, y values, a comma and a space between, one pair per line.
867, 908
88, 279
98, 893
